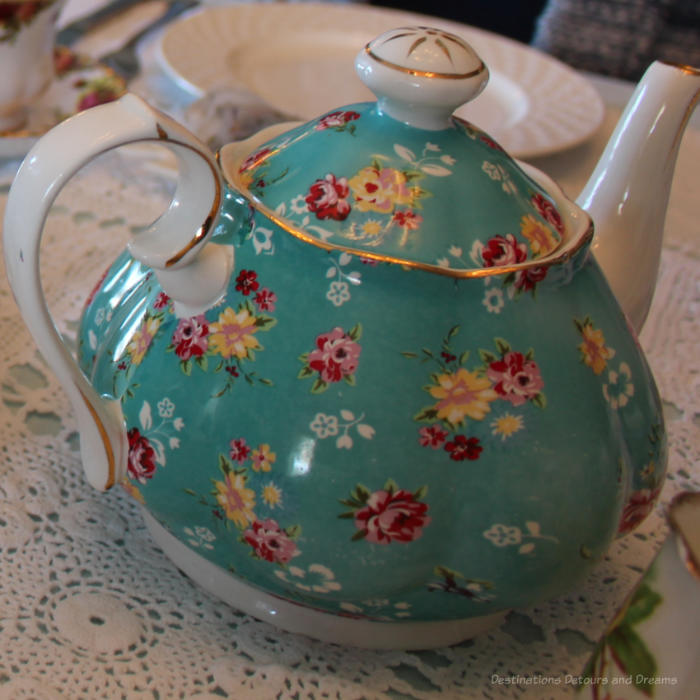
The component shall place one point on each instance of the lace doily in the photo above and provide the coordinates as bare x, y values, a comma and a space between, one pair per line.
90, 607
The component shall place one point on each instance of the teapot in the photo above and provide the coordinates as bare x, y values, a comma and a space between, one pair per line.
365, 374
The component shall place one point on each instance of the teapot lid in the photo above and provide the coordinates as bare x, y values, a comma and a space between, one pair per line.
401, 179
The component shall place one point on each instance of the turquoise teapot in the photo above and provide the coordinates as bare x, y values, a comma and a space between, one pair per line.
365, 374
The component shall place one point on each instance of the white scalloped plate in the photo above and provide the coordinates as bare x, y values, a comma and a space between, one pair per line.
299, 57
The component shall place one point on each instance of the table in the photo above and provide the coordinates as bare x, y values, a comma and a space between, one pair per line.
90, 608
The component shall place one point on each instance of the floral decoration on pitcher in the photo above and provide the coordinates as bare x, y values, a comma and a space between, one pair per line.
465, 395
390, 514
457, 584
147, 442
15, 15
334, 359
241, 490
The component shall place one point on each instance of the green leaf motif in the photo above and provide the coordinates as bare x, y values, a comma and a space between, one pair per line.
633, 656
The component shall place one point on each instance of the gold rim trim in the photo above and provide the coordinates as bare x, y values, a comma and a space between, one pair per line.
562, 257
685, 67
109, 450
201, 233
425, 73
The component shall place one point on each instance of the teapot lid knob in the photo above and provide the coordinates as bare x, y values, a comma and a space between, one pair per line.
420, 75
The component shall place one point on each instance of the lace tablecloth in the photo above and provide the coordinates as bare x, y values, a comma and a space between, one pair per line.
90, 608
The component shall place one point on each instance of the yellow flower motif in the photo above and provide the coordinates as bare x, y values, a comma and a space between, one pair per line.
232, 334
236, 500
593, 349
142, 339
506, 425
461, 394
271, 495
543, 240
372, 227
380, 190
262, 458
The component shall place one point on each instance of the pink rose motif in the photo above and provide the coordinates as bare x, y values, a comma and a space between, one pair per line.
270, 542
639, 505
142, 457
190, 337
548, 212
503, 250
432, 436
336, 120
327, 198
527, 279
515, 378
336, 356
392, 517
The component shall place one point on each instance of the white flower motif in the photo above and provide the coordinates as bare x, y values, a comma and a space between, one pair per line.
449, 160
493, 171
455, 251
502, 535
178, 424
324, 426
620, 388
493, 300
338, 293
432, 147
166, 408
344, 442
262, 240
322, 578
443, 262
200, 537
298, 205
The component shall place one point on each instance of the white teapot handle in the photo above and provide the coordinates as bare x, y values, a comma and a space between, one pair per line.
170, 246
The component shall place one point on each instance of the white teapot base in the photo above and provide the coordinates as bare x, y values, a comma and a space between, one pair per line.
315, 623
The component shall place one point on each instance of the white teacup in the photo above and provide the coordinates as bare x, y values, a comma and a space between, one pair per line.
27, 33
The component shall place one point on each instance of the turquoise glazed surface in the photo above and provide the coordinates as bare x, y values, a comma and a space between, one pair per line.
371, 438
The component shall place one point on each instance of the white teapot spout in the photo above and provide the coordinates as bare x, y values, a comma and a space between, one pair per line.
628, 192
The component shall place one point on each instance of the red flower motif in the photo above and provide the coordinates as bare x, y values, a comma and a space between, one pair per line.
432, 436
162, 301
337, 355
247, 282
142, 457
270, 542
528, 278
639, 505
392, 517
336, 119
265, 299
462, 447
407, 219
503, 250
326, 198
190, 337
516, 379
239, 450
548, 211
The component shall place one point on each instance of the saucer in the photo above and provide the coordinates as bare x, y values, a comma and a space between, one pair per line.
79, 83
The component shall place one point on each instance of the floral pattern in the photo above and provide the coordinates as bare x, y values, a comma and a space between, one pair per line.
13, 16
335, 358
339, 427
501, 535
388, 515
147, 442
465, 396
237, 495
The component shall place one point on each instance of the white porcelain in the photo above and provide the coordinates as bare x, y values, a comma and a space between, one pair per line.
26, 57
636, 168
533, 104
